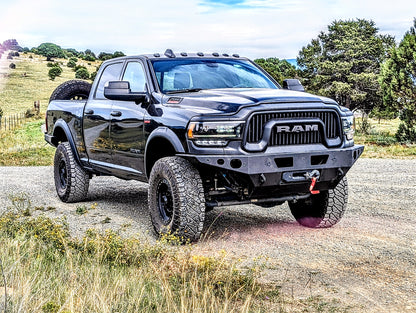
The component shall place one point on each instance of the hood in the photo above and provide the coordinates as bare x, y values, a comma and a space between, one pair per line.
231, 100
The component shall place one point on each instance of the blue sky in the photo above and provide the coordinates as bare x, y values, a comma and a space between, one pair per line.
253, 28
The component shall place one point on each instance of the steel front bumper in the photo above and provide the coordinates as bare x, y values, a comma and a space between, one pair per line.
287, 167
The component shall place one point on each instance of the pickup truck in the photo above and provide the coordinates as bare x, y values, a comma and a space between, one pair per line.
204, 130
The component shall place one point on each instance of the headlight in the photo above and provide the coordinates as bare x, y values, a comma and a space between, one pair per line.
214, 133
348, 126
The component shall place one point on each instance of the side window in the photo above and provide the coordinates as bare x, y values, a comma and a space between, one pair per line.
135, 75
110, 73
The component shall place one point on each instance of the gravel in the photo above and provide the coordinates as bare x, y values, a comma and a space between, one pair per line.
366, 262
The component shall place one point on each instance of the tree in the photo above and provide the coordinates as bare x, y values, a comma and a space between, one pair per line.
278, 69
398, 82
344, 63
50, 50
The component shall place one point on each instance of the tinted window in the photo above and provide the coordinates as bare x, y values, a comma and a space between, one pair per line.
135, 75
110, 73
180, 74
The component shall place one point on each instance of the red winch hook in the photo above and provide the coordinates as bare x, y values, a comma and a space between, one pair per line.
314, 175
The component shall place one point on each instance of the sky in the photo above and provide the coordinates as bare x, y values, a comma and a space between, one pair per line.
251, 28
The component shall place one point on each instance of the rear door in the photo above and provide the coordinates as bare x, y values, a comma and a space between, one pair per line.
127, 125
97, 118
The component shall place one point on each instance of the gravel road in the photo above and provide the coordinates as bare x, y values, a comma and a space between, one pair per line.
366, 262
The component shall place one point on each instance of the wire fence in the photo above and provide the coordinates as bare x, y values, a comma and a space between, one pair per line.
11, 122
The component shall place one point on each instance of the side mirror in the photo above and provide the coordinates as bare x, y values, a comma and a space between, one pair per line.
293, 84
120, 90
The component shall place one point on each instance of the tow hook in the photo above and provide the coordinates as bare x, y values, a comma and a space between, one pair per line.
313, 176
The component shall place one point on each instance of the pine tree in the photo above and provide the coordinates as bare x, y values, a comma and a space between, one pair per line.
344, 63
398, 82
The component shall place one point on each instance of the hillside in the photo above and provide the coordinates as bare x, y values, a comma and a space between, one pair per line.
30, 82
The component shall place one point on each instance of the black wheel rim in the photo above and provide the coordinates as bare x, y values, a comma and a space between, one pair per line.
63, 174
80, 96
164, 201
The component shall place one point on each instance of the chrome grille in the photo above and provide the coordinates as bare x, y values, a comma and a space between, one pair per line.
258, 120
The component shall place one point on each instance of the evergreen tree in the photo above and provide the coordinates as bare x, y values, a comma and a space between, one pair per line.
398, 82
344, 63
278, 69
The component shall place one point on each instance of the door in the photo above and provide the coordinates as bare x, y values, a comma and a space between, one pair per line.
127, 121
96, 121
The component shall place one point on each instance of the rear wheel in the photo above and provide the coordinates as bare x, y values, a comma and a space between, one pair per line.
324, 209
71, 90
176, 199
71, 181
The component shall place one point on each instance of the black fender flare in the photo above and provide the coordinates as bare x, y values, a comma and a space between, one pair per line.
165, 133
60, 123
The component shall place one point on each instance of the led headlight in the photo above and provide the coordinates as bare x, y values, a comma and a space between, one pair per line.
348, 126
214, 133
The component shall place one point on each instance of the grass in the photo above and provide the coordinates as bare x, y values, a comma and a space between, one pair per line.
25, 146
46, 270
30, 82
380, 142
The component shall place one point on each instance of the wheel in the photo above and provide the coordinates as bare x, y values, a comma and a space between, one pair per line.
71, 90
176, 199
71, 181
324, 209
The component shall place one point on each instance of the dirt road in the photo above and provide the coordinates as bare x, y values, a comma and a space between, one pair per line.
367, 261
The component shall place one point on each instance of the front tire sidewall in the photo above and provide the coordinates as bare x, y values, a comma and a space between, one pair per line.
186, 199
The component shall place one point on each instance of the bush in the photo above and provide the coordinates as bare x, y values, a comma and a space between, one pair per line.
1, 112
54, 71
50, 64
82, 73
73, 59
12, 66
71, 63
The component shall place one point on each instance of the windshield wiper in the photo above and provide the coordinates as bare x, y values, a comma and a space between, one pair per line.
184, 90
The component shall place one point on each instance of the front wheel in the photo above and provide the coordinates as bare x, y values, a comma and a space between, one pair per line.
71, 181
176, 199
324, 209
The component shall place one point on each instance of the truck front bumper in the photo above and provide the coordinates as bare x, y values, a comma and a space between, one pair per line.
287, 168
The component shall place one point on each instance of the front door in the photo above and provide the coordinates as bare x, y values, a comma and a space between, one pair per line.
127, 126
96, 121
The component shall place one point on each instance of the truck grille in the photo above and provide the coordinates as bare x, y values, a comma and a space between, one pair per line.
258, 120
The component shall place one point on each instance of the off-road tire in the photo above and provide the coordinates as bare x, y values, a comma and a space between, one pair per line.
71, 90
176, 199
322, 210
71, 181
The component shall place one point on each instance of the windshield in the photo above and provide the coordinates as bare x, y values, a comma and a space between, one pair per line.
176, 75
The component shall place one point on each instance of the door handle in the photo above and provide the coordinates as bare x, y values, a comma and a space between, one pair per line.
115, 113
89, 111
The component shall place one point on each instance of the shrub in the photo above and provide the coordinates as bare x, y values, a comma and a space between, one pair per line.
71, 63
1, 112
50, 64
82, 73
73, 59
55, 71
12, 66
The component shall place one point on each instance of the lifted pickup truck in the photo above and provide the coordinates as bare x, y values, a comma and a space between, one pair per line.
204, 130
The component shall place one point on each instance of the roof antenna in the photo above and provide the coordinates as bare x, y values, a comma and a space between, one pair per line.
169, 53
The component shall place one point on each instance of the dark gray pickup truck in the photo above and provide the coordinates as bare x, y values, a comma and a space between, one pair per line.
204, 130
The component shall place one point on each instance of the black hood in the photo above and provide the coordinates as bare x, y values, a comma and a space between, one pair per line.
231, 100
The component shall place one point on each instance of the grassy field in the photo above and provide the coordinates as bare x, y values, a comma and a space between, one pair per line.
30, 82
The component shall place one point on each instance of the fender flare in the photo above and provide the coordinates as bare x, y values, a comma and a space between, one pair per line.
64, 126
165, 133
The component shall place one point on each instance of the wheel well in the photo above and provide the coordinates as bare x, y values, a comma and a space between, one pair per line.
158, 148
59, 136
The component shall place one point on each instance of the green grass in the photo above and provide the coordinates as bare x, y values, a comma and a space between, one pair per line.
380, 142
25, 146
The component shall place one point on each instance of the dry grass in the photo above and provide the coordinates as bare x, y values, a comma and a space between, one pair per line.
30, 82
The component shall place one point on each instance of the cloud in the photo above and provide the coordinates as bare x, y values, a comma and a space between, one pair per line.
253, 28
